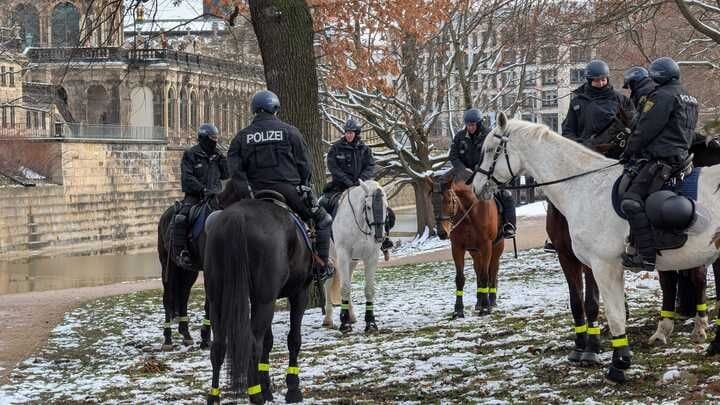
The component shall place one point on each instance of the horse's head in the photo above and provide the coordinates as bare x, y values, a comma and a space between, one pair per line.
500, 163
450, 197
375, 203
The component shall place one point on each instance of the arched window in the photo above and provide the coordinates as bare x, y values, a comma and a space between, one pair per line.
158, 108
97, 103
27, 18
183, 109
171, 107
207, 104
65, 25
193, 110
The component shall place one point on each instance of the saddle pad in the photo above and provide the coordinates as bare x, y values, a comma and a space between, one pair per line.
301, 227
688, 188
198, 225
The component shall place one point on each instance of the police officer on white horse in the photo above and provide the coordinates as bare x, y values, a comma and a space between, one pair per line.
349, 161
270, 154
657, 151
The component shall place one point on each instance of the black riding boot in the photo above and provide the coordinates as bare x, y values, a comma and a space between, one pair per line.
644, 257
509, 217
387, 244
323, 224
180, 242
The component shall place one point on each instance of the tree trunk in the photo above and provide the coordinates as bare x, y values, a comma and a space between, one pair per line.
425, 215
284, 30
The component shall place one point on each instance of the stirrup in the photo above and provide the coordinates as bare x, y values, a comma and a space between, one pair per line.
322, 273
637, 263
386, 244
508, 231
183, 259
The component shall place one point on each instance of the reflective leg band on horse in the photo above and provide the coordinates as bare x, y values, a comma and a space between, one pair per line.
619, 342
667, 314
264, 367
206, 322
368, 307
215, 392
345, 305
183, 319
493, 290
717, 322
483, 290
254, 390
593, 330
581, 329
701, 307
293, 370
458, 293
167, 325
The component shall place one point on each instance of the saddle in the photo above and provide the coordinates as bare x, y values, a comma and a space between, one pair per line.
670, 210
278, 199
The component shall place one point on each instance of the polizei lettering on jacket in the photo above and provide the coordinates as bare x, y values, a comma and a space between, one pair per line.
266, 136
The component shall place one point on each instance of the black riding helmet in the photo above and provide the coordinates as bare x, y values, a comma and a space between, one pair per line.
352, 125
265, 100
473, 116
634, 75
597, 69
209, 131
663, 70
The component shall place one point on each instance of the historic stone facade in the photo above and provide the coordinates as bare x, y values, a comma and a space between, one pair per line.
10, 91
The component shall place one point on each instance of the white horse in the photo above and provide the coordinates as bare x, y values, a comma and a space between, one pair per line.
358, 229
598, 234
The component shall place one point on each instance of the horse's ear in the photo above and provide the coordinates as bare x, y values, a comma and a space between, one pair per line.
502, 120
364, 186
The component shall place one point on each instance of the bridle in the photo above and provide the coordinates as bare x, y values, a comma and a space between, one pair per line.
454, 204
366, 208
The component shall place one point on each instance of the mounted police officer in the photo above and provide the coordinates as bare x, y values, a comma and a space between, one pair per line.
466, 153
350, 160
201, 171
592, 116
637, 80
657, 151
270, 154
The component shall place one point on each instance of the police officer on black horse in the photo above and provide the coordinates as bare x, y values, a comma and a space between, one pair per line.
657, 152
466, 153
270, 154
201, 171
350, 160
638, 81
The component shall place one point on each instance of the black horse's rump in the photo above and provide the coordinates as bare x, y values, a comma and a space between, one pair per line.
254, 255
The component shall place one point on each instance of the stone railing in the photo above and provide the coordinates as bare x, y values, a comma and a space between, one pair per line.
109, 132
139, 57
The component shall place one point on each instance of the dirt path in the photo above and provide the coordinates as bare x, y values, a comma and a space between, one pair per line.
28, 318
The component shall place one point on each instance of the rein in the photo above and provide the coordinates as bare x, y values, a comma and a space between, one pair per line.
502, 149
466, 213
357, 223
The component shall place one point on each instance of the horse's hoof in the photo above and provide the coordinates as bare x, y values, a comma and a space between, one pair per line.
188, 341
458, 314
328, 324
698, 336
590, 359
205, 344
615, 376
166, 347
657, 340
213, 399
267, 395
714, 348
574, 356
345, 328
484, 311
371, 328
257, 399
293, 396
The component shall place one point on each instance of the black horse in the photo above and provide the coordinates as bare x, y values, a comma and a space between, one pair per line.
177, 283
254, 254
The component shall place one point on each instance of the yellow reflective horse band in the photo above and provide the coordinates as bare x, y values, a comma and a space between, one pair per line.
717, 322
206, 322
458, 293
293, 370
167, 325
493, 290
344, 306
183, 318
215, 392
581, 329
483, 290
619, 342
593, 330
701, 307
255, 389
369, 308
263, 367
667, 314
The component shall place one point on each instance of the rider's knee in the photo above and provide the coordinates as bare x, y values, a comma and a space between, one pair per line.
631, 204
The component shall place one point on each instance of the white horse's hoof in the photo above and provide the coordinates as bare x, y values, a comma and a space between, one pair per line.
664, 329
328, 323
698, 334
658, 339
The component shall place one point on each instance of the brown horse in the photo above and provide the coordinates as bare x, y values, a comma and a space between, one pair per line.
472, 226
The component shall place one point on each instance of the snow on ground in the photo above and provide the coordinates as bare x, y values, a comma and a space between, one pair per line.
108, 350
536, 209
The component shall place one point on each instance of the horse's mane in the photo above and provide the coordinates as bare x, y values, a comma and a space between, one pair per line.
544, 134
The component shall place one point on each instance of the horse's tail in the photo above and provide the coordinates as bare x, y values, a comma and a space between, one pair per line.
228, 268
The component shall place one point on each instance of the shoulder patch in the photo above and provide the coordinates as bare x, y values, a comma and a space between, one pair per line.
649, 104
